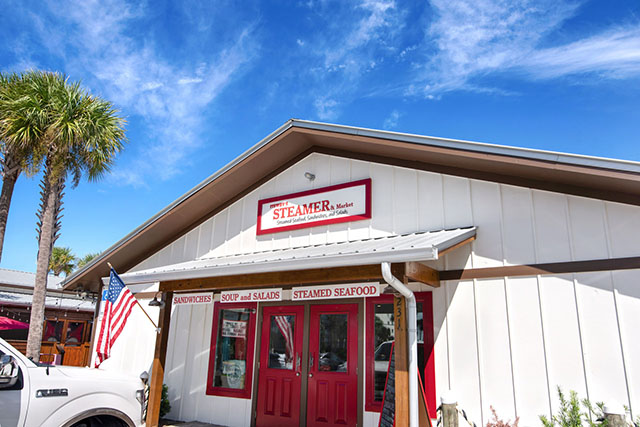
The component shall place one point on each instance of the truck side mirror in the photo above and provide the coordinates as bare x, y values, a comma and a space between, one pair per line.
8, 371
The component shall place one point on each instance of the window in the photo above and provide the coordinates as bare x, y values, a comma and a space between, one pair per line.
380, 336
231, 357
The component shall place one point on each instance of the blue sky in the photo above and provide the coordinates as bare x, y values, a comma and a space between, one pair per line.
200, 82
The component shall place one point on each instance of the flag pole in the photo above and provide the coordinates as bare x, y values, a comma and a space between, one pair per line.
139, 305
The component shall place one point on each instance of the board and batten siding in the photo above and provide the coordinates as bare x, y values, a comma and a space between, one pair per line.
505, 342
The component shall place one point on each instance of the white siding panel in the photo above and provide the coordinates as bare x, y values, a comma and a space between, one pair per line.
494, 347
430, 201
487, 215
527, 349
627, 287
561, 334
381, 201
340, 173
359, 230
234, 228
219, 236
457, 202
201, 370
624, 229
194, 379
248, 239
405, 201
463, 354
440, 345
552, 230
204, 239
457, 213
518, 225
191, 245
601, 342
175, 373
587, 228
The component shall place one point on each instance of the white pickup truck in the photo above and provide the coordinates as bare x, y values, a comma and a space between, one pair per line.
33, 395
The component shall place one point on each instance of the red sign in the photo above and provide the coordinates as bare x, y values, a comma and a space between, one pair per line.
322, 206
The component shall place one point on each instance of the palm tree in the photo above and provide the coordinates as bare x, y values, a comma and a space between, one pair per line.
62, 261
86, 259
14, 159
75, 134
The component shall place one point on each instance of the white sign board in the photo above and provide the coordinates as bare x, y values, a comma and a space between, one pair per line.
251, 295
322, 206
234, 328
190, 299
352, 290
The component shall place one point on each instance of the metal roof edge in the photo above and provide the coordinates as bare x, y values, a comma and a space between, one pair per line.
505, 150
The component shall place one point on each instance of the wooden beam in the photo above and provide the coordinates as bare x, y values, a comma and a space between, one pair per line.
401, 350
284, 278
157, 369
414, 271
607, 264
456, 246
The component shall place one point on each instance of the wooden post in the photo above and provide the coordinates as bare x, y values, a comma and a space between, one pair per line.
94, 329
402, 361
614, 414
157, 369
450, 415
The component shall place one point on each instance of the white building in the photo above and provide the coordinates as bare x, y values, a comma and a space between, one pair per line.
525, 265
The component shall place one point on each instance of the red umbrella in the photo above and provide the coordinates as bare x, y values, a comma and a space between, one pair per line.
6, 323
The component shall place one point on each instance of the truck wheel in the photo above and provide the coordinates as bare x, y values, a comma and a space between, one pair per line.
104, 421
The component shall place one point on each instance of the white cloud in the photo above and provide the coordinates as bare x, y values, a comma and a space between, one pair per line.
391, 122
478, 38
326, 108
614, 53
133, 74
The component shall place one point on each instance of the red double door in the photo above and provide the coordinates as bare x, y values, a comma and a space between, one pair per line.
324, 366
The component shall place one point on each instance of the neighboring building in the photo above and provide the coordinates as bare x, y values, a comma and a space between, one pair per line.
525, 265
68, 318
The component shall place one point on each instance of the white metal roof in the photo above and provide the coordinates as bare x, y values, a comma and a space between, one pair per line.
50, 301
422, 246
26, 279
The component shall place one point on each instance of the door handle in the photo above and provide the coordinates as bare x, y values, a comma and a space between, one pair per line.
298, 362
310, 362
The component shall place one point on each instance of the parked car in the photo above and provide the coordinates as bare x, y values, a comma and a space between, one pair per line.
44, 395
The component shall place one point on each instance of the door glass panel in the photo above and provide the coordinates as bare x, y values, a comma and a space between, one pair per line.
281, 342
231, 348
74, 332
333, 342
384, 336
53, 331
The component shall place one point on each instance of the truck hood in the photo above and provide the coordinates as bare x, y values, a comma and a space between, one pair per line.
86, 373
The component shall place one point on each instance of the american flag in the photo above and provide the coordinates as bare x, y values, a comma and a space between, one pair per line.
118, 306
287, 333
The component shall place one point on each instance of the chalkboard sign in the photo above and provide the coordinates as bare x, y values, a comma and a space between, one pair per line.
388, 413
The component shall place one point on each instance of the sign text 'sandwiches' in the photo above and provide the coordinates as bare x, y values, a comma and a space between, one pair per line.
354, 290
201, 298
328, 205
251, 295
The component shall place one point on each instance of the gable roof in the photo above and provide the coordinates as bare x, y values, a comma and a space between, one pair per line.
606, 179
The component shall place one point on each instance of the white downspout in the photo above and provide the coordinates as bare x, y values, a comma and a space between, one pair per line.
412, 325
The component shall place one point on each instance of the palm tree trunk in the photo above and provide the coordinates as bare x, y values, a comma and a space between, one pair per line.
49, 209
11, 171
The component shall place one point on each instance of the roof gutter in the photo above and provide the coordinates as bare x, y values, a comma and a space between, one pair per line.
412, 329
